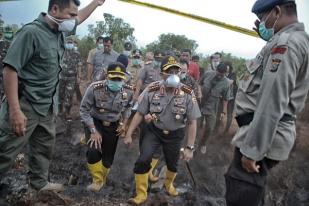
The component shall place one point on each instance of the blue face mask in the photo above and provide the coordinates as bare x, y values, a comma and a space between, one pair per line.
69, 46
156, 64
265, 33
136, 62
114, 86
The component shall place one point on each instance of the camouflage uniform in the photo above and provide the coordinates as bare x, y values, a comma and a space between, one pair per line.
68, 79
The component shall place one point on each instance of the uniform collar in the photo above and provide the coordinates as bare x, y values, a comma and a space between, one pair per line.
41, 19
297, 26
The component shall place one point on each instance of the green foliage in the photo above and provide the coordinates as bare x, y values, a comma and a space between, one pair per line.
85, 45
172, 42
119, 30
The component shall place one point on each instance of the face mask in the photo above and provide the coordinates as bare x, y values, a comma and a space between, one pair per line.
127, 53
114, 86
215, 64
75, 48
69, 46
136, 62
8, 36
66, 25
266, 34
183, 75
100, 46
156, 64
172, 81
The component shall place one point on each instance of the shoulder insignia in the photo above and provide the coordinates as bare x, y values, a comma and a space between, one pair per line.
186, 89
154, 87
127, 86
278, 50
98, 85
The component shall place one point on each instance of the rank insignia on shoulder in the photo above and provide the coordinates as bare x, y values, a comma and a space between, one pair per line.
154, 87
278, 50
275, 64
98, 85
127, 86
187, 89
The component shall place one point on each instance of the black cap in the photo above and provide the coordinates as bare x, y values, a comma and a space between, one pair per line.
116, 70
136, 53
127, 46
261, 6
123, 59
169, 62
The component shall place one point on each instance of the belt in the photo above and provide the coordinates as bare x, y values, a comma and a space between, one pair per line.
245, 119
165, 131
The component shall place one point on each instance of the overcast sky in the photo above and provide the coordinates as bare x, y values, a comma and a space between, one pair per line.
149, 23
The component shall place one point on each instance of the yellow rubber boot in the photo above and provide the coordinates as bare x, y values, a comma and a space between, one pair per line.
99, 174
153, 178
170, 177
141, 184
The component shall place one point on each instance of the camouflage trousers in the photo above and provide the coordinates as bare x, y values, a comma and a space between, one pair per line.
67, 88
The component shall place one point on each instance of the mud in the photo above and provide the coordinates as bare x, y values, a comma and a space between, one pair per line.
288, 182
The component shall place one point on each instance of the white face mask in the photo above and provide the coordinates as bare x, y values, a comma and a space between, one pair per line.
172, 81
66, 25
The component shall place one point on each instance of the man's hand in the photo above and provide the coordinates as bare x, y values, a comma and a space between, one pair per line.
256, 28
128, 139
148, 118
250, 165
95, 140
187, 155
121, 130
18, 122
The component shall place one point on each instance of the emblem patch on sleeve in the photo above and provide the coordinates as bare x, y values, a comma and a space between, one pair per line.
275, 64
278, 50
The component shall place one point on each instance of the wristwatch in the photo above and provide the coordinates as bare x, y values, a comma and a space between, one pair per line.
190, 148
93, 130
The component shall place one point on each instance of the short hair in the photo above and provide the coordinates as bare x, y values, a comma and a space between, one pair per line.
182, 61
222, 68
229, 66
62, 3
107, 39
186, 50
216, 53
196, 57
99, 38
290, 8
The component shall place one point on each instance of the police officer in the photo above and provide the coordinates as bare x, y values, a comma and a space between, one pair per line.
105, 110
68, 77
127, 49
215, 86
269, 97
135, 65
232, 76
173, 108
188, 80
149, 73
5, 41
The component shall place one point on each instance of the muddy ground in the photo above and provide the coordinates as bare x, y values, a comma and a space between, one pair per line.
288, 182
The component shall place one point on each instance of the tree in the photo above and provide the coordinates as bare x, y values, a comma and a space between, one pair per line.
85, 45
172, 42
119, 30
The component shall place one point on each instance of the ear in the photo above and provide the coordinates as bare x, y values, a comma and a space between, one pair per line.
54, 9
278, 11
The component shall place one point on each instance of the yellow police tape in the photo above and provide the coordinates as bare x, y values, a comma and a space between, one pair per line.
196, 17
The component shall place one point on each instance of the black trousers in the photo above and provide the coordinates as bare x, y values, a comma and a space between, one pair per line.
243, 188
108, 146
153, 139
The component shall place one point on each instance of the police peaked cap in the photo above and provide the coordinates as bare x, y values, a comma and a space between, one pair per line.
261, 6
116, 70
169, 62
